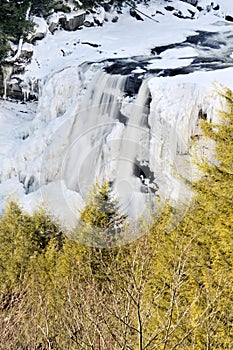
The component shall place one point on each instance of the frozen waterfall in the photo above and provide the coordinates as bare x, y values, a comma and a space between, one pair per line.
88, 127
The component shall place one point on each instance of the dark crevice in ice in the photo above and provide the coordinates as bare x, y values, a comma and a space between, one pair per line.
142, 171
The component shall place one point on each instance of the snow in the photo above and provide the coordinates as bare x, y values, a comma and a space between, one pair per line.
210, 79
28, 47
225, 5
45, 146
75, 13
174, 58
138, 70
40, 25
181, 52
168, 63
127, 37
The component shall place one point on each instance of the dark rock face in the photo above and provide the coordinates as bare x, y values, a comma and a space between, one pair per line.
202, 115
192, 13
115, 19
216, 8
74, 22
134, 14
132, 85
36, 36
98, 22
146, 176
15, 87
180, 15
13, 90
169, 8
191, 2
229, 18
70, 23
52, 27
90, 44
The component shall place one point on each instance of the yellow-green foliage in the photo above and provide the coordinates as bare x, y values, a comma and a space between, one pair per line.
100, 218
22, 237
165, 291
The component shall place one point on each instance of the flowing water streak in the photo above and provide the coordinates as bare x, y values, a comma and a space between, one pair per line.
87, 157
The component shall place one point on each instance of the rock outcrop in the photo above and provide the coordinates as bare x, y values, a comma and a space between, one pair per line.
40, 30
71, 21
191, 2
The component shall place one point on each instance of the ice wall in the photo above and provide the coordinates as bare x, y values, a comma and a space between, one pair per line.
88, 128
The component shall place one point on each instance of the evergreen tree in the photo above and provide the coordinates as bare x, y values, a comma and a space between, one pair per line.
13, 17
42, 8
101, 221
21, 237
4, 47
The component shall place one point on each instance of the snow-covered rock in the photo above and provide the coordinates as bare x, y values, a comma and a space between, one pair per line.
39, 31
26, 51
71, 21
99, 15
74, 20
89, 20
192, 2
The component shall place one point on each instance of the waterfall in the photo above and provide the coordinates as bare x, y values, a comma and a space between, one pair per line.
105, 136
132, 173
88, 127
93, 122
109, 135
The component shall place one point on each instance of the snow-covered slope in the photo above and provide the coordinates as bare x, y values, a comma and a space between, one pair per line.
129, 119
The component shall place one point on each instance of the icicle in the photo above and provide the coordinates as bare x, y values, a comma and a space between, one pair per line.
7, 70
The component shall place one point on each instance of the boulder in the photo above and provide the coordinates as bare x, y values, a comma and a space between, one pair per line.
52, 27
229, 18
40, 30
26, 52
99, 15
75, 20
115, 19
216, 8
134, 14
169, 8
89, 21
191, 2
70, 21
14, 90
53, 21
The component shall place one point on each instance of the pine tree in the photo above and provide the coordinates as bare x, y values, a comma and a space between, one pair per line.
21, 237
101, 220
13, 18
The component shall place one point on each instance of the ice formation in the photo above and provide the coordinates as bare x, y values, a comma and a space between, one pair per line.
87, 127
